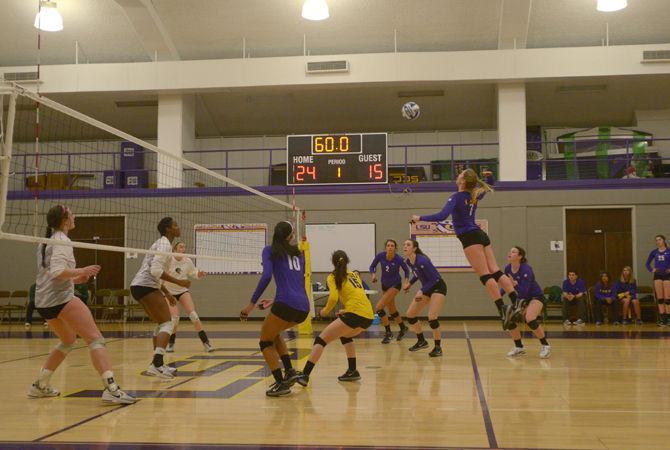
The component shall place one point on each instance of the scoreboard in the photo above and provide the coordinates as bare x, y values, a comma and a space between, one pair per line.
351, 158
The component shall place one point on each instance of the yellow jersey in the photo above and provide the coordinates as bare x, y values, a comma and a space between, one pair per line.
352, 295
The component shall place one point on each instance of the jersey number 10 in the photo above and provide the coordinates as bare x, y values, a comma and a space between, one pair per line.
294, 263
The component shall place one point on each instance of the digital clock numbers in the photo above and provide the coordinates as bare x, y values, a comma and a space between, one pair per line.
359, 158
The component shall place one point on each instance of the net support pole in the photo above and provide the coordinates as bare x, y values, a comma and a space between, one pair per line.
6, 156
305, 328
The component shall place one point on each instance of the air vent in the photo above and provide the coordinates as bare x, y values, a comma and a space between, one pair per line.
582, 89
20, 76
136, 103
327, 66
654, 56
427, 93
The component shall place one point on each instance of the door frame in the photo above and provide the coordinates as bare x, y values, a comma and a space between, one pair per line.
125, 227
633, 232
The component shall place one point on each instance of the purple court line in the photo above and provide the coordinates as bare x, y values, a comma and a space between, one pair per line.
81, 422
18, 445
488, 424
46, 354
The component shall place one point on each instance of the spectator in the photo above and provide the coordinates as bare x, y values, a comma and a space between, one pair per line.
574, 294
626, 291
30, 309
604, 297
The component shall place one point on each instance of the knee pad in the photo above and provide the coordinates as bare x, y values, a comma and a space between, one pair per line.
63, 348
194, 317
434, 323
485, 278
496, 276
394, 315
157, 329
265, 344
346, 340
166, 327
533, 324
175, 321
320, 341
97, 343
667, 302
381, 313
412, 320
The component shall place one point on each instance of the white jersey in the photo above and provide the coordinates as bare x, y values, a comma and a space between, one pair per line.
49, 290
180, 270
153, 266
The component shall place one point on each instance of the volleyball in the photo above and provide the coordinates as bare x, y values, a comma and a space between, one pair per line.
411, 111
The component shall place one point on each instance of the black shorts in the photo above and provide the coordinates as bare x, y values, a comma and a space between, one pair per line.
178, 296
474, 237
662, 276
438, 288
355, 321
285, 312
139, 292
51, 312
395, 286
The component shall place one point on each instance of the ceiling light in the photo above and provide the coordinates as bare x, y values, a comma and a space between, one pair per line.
315, 10
48, 18
611, 5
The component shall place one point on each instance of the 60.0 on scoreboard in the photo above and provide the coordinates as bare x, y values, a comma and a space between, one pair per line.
351, 158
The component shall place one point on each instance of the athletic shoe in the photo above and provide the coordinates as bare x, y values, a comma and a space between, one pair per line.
278, 389
300, 378
208, 347
579, 322
517, 311
401, 333
290, 376
418, 346
162, 372
118, 397
350, 375
37, 391
660, 323
170, 368
626, 322
507, 317
28, 325
435, 352
387, 337
169, 348
616, 323
545, 351
45, 324
567, 323
516, 351
638, 322
598, 324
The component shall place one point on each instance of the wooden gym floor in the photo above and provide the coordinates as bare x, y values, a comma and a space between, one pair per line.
604, 388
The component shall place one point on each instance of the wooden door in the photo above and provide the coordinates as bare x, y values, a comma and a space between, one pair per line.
598, 240
108, 230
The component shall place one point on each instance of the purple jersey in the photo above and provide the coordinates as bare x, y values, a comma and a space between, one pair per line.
661, 260
602, 292
425, 271
526, 288
574, 289
390, 269
289, 274
622, 287
462, 211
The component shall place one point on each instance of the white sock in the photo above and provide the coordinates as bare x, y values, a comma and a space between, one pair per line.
108, 381
44, 377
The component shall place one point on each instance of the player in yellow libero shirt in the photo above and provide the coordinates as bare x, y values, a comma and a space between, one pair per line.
354, 318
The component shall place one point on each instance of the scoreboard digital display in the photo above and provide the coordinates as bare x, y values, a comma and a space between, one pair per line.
352, 158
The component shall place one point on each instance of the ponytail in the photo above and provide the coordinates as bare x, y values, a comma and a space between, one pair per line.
55, 218
340, 261
475, 185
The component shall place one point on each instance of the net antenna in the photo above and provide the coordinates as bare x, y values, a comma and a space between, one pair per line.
76, 160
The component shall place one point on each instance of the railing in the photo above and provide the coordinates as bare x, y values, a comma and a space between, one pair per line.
432, 162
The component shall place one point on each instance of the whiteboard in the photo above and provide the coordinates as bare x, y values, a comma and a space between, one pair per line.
439, 242
356, 239
240, 243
